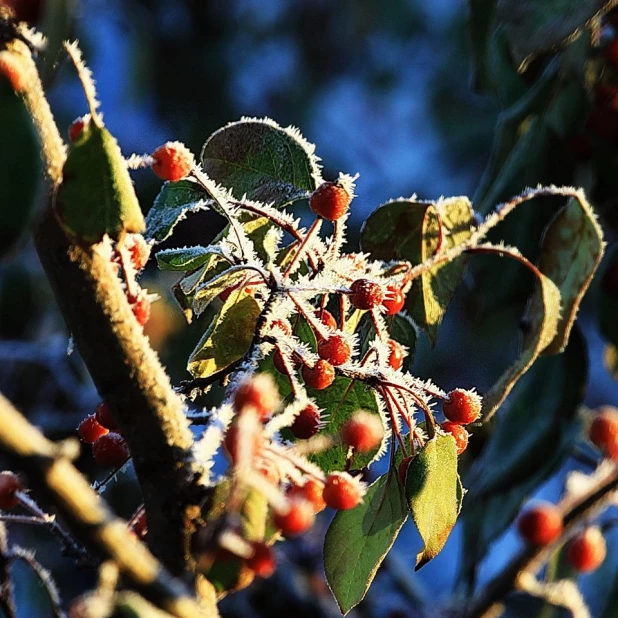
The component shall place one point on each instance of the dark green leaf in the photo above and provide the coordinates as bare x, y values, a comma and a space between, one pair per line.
530, 441
358, 540
480, 22
171, 206
339, 401
228, 337
571, 251
96, 196
535, 26
434, 494
261, 160
185, 259
20, 167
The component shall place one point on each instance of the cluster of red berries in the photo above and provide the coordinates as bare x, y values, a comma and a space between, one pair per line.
461, 407
109, 448
543, 524
603, 432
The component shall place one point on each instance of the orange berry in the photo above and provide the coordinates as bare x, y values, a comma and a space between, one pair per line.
394, 300
262, 562
459, 433
363, 431
342, 492
320, 376
296, 519
586, 551
462, 407
260, 393
603, 432
172, 161
330, 201
336, 350
541, 524
312, 491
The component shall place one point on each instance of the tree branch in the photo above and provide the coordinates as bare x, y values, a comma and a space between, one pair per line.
91, 519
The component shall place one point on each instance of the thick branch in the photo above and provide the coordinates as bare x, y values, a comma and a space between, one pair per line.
91, 519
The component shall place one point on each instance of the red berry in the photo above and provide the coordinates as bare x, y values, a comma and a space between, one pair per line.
330, 201
9, 486
462, 407
459, 433
307, 423
611, 53
141, 310
90, 430
394, 300
13, 70
312, 491
139, 250
76, 128
110, 450
105, 417
366, 294
396, 355
298, 517
336, 350
320, 376
342, 492
172, 161
263, 562
541, 524
328, 319
586, 551
260, 393
232, 443
603, 432
363, 431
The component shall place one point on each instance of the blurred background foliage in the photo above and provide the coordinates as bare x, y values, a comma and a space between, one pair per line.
413, 95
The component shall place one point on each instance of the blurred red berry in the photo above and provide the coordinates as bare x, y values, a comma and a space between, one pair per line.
363, 431
110, 450
9, 486
307, 423
541, 524
90, 430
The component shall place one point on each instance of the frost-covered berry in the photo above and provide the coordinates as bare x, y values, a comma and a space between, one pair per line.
396, 354
394, 300
459, 433
336, 350
90, 430
110, 450
76, 128
260, 393
232, 442
342, 492
307, 422
603, 432
363, 431
320, 376
586, 551
312, 490
330, 201
9, 486
262, 562
297, 518
541, 524
172, 161
105, 417
462, 406
366, 294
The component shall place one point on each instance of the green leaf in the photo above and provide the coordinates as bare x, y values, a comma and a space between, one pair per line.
20, 168
96, 196
571, 251
407, 230
544, 316
535, 26
228, 337
530, 441
207, 291
262, 161
358, 540
171, 206
188, 258
434, 494
339, 401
